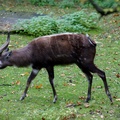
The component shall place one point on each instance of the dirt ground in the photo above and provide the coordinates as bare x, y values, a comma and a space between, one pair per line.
9, 18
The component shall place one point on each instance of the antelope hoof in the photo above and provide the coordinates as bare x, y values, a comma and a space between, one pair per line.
87, 100
55, 99
23, 97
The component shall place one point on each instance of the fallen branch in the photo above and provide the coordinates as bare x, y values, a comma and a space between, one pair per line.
102, 11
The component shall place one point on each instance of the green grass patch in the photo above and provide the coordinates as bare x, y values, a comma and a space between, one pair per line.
70, 104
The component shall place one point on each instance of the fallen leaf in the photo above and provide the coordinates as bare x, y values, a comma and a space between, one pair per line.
115, 97
111, 111
69, 117
1, 96
17, 82
86, 105
118, 75
102, 116
70, 105
13, 83
99, 87
38, 86
43, 118
71, 84
107, 68
65, 84
13, 92
26, 73
115, 15
82, 97
62, 75
118, 99
78, 103
97, 111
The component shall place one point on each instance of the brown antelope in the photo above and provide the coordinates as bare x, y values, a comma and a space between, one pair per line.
58, 49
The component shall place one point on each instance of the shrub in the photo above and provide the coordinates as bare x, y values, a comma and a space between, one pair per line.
77, 22
38, 26
45, 25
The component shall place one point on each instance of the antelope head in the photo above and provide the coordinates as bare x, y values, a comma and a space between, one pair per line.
5, 53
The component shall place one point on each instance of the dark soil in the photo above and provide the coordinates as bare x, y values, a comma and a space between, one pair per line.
9, 18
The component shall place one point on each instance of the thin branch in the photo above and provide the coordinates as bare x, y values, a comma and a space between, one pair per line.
101, 10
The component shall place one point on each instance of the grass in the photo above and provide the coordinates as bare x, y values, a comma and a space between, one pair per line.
70, 105
51, 10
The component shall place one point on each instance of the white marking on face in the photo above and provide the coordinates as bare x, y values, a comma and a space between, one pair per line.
35, 71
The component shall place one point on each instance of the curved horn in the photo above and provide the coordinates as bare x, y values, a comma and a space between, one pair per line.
5, 45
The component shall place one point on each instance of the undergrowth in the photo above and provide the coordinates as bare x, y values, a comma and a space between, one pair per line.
44, 25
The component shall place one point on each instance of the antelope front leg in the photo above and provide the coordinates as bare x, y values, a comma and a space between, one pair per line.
31, 77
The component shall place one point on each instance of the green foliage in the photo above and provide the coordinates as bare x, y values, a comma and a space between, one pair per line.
73, 3
45, 25
42, 2
78, 22
106, 3
62, 3
67, 4
39, 26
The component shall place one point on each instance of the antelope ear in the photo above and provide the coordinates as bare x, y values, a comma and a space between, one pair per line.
8, 55
5, 45
6, 50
